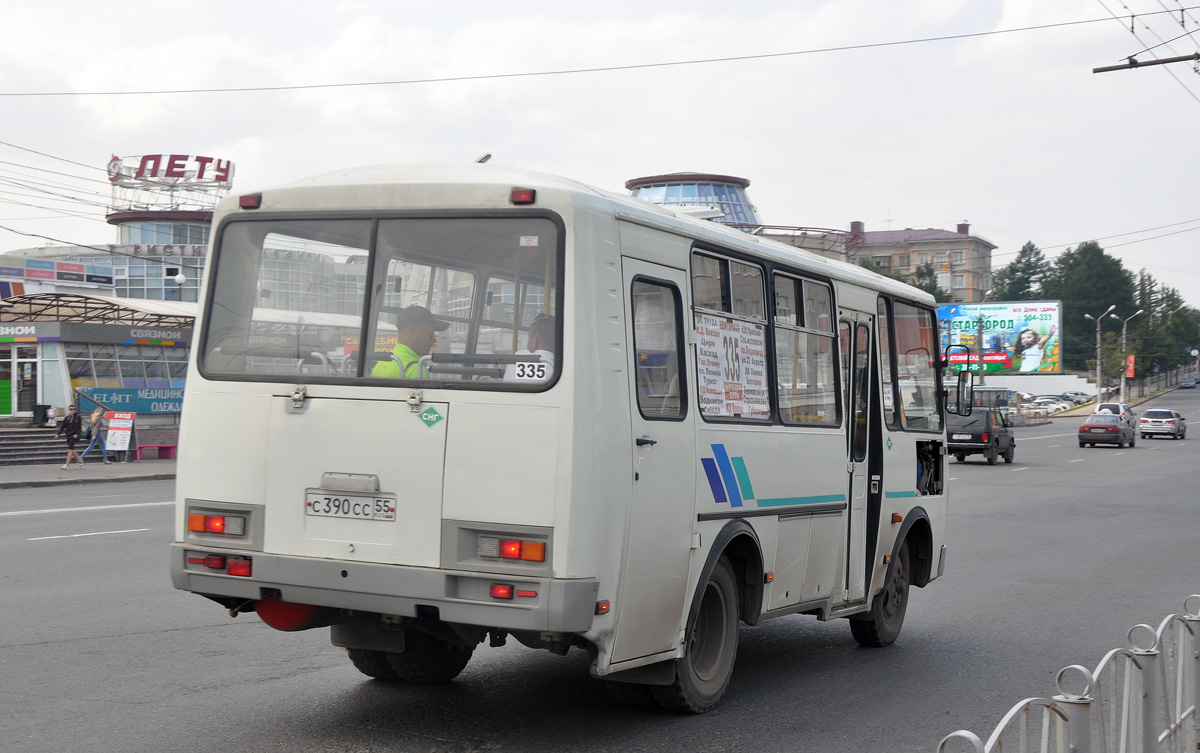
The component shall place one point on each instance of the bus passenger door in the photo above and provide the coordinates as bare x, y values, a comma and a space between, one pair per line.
856, 344
662, 449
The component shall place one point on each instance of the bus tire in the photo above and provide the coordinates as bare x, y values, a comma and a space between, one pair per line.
702, 674
428, 659
372, 663
882, 626
631, 695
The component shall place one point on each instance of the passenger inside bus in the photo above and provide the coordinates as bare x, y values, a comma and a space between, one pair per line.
539, 344
417, 330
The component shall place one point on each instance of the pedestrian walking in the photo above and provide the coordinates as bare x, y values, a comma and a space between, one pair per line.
71, 426
96, 431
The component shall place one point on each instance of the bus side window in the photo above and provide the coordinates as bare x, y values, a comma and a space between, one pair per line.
658, 358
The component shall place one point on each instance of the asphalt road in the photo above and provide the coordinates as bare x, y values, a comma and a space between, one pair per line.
1052, 560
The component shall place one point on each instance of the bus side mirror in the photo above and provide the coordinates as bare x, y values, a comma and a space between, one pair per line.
963, 400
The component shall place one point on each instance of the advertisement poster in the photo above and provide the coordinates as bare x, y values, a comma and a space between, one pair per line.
1018, 336
731, 363
120, 427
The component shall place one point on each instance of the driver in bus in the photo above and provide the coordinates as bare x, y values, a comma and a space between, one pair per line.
416, 335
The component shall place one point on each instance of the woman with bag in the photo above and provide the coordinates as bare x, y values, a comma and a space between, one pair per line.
96, 430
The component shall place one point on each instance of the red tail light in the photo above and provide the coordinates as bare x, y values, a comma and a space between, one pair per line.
985, 436
500, 591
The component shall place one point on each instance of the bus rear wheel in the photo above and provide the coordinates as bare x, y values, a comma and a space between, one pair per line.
882, 626
372, 663
429, 659
702, 674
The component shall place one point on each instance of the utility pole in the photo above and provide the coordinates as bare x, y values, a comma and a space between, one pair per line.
987, 296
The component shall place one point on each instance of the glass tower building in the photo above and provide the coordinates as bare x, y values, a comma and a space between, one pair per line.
724, 193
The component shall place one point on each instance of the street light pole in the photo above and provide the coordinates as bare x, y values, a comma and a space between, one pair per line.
1124, 352
1099, 380
987, 296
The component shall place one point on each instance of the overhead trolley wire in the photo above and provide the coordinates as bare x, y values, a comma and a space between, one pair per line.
571, 71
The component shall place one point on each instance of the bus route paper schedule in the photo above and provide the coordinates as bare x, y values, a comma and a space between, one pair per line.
731, 366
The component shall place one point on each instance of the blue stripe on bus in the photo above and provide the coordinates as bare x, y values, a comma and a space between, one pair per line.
899, 494
727, 474
714, 479
813, 500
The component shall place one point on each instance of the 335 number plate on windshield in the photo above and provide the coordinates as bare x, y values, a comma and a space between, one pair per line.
350, 506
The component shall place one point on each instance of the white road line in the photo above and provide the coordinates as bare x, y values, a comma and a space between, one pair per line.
77, 535
1056, 445
1118, 453
1080, 460
1021, 469
81, 509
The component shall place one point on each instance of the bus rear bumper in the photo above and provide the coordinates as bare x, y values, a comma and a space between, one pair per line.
541, 604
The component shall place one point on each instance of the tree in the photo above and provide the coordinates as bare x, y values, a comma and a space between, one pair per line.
1087, 281
1021, 280
926, 279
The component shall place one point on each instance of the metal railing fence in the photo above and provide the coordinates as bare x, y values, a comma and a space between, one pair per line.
1139, 699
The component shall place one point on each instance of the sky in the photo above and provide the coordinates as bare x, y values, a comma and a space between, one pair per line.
897, 113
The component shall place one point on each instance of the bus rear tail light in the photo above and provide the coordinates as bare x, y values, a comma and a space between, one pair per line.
228, 525
501, 591
493, 547
239, 566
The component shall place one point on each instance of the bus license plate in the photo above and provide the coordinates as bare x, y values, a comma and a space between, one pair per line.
960, 436
350, 506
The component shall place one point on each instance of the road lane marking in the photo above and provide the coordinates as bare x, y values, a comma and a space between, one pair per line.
1080, 460
79, 509
1056, 445
1021, 469
77, 535
1118, 453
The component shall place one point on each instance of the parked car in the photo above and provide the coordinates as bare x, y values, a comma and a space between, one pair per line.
1079, 397
1106, 428
1162, 421
1188, 384
1052, 403
985, 432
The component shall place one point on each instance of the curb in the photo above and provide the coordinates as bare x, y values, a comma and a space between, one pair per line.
76, 481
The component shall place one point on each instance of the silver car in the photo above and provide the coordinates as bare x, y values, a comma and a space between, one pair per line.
1163, 421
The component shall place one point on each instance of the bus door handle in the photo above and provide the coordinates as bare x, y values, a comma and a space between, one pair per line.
643, 441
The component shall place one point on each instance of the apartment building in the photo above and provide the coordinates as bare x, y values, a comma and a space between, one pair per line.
961, 261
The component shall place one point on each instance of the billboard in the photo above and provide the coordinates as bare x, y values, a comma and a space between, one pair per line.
1018, 336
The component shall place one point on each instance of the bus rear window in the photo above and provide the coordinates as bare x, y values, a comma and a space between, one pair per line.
465, 302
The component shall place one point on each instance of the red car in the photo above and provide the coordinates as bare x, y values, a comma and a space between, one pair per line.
1106, 428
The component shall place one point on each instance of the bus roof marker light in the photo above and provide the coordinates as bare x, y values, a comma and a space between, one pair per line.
250, 201
523, 196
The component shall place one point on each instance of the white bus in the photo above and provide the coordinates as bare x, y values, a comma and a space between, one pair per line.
430, 406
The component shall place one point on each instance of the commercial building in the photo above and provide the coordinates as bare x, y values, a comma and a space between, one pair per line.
113, 320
